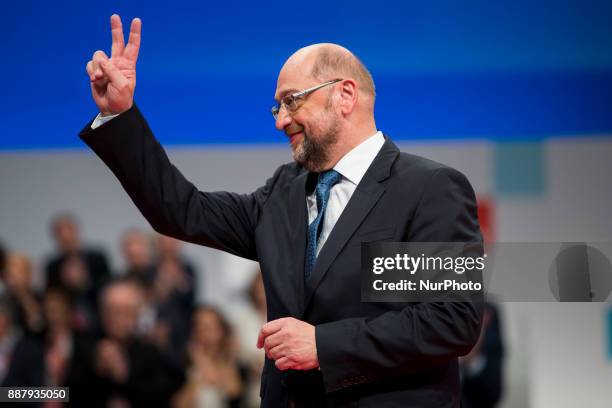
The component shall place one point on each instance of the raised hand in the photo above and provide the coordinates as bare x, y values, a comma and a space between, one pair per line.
113, 80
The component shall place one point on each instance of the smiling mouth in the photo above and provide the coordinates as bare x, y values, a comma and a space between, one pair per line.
293, 137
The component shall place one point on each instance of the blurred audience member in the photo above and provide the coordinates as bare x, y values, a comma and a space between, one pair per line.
59, 336
482, 368
82, 271
248, 322
215, 380
9, 336
174, 274
138, 257
2, 258
45, 360
122, 370
17, 279
172, 296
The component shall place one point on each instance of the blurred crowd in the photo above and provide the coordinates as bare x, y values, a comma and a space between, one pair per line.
137, 337
129, 338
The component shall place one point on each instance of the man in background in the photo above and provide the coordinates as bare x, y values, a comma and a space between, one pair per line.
121, 368
81, 270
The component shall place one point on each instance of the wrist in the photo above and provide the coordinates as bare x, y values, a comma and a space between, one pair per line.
106, 114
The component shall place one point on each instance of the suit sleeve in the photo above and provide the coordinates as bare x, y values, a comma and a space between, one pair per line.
173, 205
420, 336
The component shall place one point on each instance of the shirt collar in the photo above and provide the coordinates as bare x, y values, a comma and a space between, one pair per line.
355, 163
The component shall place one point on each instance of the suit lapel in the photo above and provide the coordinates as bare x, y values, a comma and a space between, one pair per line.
366, 195
297, 213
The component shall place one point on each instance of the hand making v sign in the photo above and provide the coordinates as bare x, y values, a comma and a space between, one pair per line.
113, 80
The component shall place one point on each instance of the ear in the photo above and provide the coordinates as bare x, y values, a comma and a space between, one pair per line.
348, 96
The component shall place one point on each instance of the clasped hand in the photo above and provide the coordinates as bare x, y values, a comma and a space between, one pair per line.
290, 343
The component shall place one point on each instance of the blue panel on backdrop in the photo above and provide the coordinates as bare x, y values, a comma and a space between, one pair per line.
207, 70
218, 110
519, 169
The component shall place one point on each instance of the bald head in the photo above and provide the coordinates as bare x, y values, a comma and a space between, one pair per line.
328, 61
332, 60
121, 303
124, 293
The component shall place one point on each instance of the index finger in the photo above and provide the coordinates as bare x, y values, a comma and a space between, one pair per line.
133, 46
268, 329
273, 326
117, 34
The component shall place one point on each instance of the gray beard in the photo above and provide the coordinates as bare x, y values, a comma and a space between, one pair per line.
314, 155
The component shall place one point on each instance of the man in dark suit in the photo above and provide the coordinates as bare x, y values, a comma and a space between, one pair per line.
81, 270
119, 368
65, 231
349, 184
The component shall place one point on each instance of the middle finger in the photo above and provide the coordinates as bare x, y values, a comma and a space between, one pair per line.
273, 341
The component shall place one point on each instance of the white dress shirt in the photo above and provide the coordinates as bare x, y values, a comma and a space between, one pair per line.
352, 166
100, 120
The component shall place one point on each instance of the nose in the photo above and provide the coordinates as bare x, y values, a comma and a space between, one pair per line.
283, 119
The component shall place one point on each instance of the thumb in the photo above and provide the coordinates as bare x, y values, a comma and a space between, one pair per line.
113, 74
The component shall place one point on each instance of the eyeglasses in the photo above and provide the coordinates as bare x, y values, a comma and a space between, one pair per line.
291, 102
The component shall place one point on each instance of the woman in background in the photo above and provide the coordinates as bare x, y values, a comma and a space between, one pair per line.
214, 377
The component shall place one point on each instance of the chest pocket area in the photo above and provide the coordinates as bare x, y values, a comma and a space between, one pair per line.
373, 235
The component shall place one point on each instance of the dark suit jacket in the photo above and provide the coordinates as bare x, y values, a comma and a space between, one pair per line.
85, 301
370, 354
28, 367
94, 260
152, 381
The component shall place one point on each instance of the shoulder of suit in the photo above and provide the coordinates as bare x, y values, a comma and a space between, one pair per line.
406, 165
289, 171
412, 165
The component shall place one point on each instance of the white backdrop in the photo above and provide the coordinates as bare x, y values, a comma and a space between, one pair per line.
556, 353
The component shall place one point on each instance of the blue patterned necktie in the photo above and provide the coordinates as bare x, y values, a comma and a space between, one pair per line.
327, 180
